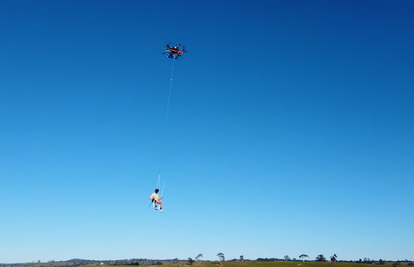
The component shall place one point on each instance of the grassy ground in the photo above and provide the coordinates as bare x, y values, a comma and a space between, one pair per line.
225, 264
279, 264
270, 264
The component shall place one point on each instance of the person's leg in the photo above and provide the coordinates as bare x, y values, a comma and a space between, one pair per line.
160, 202
155, 204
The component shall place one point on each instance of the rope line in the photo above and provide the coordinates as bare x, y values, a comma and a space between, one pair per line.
165, 128
162, 191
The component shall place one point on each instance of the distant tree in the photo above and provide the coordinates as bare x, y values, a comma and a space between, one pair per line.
287, 258
303, 256
241, 258
381, 262
333, 258
175, 261
320, 258
190, 261
221, 257
397, 263
369, 261
199, 256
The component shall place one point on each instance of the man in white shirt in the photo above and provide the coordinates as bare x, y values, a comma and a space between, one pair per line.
155, 199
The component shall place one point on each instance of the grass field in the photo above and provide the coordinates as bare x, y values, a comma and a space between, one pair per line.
271, 264
217, 264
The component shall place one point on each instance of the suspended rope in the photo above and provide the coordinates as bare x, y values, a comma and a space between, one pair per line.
165, 129
162, 191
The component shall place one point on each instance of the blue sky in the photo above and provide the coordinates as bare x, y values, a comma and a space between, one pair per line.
290, 129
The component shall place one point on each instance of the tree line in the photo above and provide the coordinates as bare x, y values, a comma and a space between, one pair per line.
191, 261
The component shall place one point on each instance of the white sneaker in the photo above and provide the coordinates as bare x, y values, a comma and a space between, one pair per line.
160, 210
156, 208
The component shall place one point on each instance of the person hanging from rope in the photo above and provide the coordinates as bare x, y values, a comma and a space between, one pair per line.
156, 199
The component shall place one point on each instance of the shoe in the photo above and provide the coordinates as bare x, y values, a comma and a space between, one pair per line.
156, 208
160, 210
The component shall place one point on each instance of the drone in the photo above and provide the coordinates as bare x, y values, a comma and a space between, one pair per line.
174, 52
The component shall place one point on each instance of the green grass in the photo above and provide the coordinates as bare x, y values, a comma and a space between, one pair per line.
281, 264
267, 264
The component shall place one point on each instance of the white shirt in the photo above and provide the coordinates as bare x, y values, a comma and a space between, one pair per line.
154, 196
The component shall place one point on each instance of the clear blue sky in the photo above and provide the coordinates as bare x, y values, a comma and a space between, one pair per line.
290, 129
